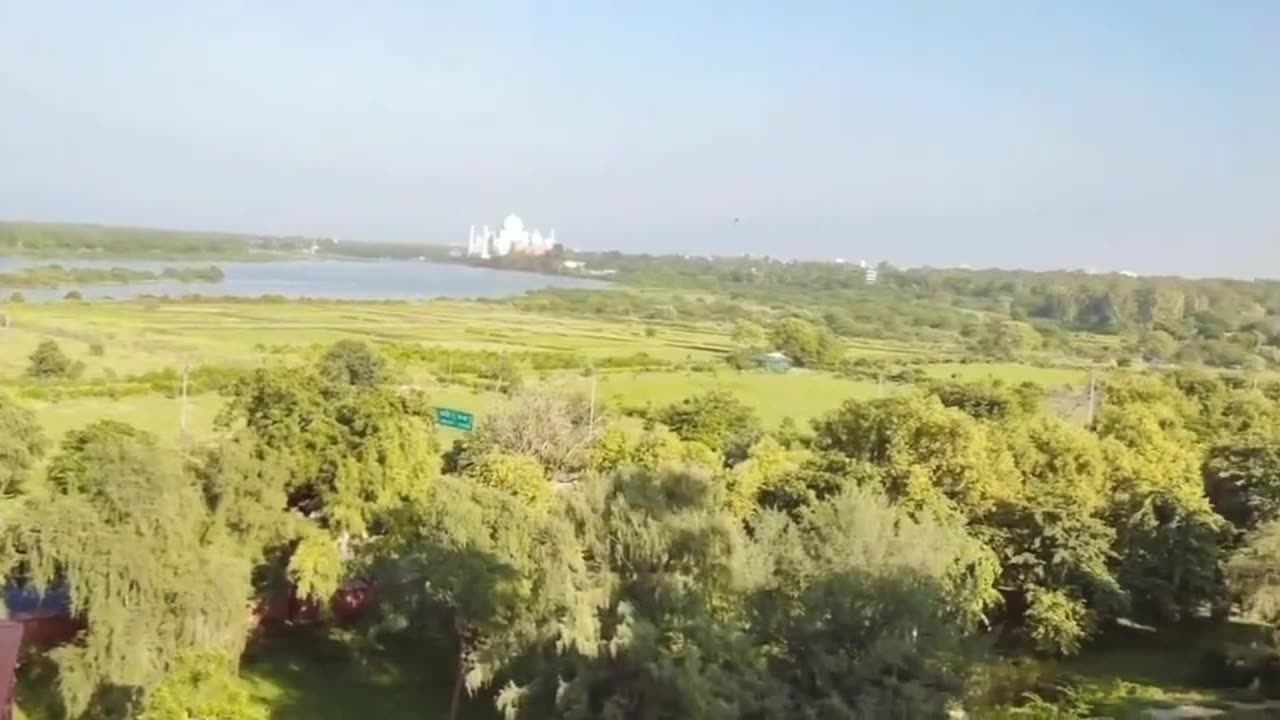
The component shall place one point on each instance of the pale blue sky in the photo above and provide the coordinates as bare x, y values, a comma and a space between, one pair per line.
1124, 135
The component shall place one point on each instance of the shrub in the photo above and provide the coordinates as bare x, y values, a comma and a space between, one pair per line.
73, 295
48, 361
97, 349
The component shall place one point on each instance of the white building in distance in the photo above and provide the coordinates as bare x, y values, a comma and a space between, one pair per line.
511, 239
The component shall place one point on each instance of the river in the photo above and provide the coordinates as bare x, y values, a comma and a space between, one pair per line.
332, 279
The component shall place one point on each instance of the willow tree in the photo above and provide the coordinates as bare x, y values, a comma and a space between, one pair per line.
123, 525
506, 575
22, 444
866, 612
670, 568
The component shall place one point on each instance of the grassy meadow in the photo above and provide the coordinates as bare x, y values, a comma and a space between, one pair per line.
144, 336
138, 337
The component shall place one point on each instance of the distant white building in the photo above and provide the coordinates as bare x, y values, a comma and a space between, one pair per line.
512, 238
872, 274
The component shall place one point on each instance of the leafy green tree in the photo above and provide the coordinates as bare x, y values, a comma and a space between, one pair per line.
716, 419
765, 466
508, 373
1169, 542
984, 400
48, 361
807, 344
1253, 573
1157, 346
1006, 339
123, 525
353, 363
519, 476
506, 578
671, 568
348, 459
746, 334
866, 610
928, 455
22, 445
1242, 480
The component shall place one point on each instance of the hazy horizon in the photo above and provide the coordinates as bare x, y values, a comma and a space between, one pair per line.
1140, 136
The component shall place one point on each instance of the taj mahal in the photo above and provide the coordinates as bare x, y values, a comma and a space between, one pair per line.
512, 238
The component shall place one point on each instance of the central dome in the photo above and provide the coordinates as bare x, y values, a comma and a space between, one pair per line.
513, 223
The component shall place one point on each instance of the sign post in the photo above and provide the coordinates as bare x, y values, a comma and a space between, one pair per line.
457, 419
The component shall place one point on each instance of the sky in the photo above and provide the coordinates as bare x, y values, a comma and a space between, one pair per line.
1137, 135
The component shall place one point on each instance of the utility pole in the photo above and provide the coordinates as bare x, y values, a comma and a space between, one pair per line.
1093, 395
182, 403
592, 424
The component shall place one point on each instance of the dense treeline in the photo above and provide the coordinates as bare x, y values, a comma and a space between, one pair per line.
698, 567
56, 240
1221, 322
53, 276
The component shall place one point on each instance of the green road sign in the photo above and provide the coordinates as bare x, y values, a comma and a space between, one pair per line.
449, 417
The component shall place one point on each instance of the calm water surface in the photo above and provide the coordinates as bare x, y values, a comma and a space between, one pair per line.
334, 279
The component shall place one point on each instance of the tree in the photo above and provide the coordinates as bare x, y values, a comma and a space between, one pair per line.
521, 477
927, 455
348, 456
866, 610
507, 577
555, 428
807, 344
983, 400
1254, 573
123, 526
353, 363
48, 361
716, 419
1242, 480
670, 569
1006, 339
22, 445
1169, 542
746, 334
766, 464
1052, 538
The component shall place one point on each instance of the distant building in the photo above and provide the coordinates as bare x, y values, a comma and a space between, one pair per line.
872, 275
511, 239
775, 362
573, 265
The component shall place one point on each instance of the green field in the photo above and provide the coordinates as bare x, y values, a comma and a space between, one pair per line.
143, 336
